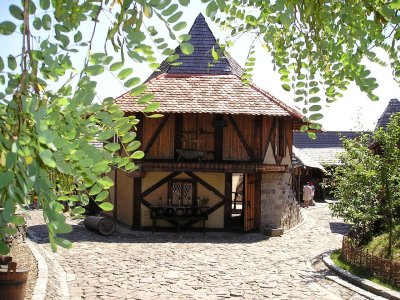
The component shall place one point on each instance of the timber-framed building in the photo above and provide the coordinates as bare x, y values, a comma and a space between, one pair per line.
221, 145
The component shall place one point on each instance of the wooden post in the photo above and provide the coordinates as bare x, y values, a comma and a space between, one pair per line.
219, 125
258, 147
228, 200
257, 202
178, 134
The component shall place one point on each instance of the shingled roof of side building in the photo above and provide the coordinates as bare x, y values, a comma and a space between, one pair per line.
324, 150
200, 85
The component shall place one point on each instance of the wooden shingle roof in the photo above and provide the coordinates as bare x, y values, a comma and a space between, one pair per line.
324, 150
200, 85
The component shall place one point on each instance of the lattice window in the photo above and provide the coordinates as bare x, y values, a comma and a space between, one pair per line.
182, 192
187, 194
176, 193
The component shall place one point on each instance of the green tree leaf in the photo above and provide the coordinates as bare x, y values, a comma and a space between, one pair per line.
12, 62
151, 107
184, 2
137, 155
44, 4
95, 190
5, 179
186, 48
116, 66
132, 82
102, 196
125, 73
112, 147
179, 26
94, 70
16, 12
211, 9
139, 90
106, 134
106, 206
7, 28
47, 158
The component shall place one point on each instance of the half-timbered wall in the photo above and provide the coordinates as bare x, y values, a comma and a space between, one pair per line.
244, 137
216, 180
222, 138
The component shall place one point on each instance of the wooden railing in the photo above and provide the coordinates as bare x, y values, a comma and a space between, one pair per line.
386, 270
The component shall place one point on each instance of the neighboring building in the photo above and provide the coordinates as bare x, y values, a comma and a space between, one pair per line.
214, 131
312, 158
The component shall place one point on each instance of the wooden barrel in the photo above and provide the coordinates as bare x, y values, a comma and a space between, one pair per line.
12, 284
102, 225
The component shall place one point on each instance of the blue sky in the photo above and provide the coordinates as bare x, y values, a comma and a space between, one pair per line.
353, 112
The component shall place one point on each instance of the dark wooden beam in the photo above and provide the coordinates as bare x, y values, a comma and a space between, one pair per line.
157, 133
158, 184
146, 203
228, 200
137, 202
257, 202
282, 137
258, 153
139, 127
242, 139
268, 141
178, 134
222, 167
219, 136
207, 185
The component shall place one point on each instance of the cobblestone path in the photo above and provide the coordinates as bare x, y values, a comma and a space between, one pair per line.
161, 266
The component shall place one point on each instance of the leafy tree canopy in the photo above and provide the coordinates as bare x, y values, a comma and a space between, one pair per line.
368, 182
49, 115
318, 47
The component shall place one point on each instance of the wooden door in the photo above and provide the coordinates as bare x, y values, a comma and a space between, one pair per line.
249, 201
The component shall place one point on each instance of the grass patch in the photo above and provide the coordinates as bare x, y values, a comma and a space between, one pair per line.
335, 256
380, 244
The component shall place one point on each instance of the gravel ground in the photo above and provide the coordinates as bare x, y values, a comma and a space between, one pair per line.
22, 255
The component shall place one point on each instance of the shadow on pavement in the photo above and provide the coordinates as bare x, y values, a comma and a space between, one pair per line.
339, 227
82, 234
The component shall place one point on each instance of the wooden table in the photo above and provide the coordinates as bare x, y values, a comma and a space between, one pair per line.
178, 219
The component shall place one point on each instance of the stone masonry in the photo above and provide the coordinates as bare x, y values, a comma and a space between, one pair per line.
278, 205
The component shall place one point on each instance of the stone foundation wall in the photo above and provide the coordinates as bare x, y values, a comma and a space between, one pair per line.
278, 205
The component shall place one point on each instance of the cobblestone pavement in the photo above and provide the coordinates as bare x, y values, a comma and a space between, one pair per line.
161, 266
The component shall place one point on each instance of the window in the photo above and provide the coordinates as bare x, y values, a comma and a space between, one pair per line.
182, 192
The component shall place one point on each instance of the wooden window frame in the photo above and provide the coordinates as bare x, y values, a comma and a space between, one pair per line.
194, 190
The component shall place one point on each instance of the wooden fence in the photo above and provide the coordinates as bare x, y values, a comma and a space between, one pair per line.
386, 270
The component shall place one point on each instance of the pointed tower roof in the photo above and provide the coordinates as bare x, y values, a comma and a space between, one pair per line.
393, 107
200, 85
201, 60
